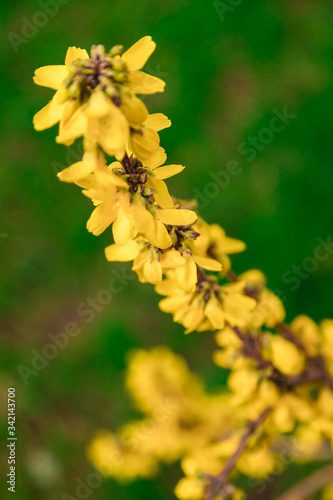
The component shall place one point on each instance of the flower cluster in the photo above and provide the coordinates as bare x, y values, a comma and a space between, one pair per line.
280, 377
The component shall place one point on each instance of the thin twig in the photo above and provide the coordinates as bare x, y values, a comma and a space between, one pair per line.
219, 483
310, 485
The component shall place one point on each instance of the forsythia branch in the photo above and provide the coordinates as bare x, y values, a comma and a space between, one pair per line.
218, 485
271, 365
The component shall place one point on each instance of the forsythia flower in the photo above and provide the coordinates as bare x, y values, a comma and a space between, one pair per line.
208, 307
96, 96
269, 310
117, 455
285, 356
214, 242
135, 200
144, 141
150, 262
179, 416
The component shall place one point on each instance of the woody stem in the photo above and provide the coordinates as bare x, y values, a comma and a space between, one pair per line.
220, 482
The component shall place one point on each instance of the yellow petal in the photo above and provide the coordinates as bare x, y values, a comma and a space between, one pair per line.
155, 232
193, 318
172, 304
50, 76
98, 105
89, 182
215, 314
134, 109
48, 116
77, 171
157, 121
115, 134
207, 263
162, 195
186, 276
122, 253
190, 488
142, 83
152, 271
122, 228
177, 217
101, 218
74, 128
172, 259
107, 179
168, 171
74, 53
285, 356
137, 55
161, 238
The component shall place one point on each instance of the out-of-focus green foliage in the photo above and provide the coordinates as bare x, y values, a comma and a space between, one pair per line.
225, 77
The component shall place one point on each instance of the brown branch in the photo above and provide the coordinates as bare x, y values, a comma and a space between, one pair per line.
310, 485
219, 484
288, 334
316, 371
251, 349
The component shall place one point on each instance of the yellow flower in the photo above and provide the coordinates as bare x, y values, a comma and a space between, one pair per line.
307, 330
208, 307
243, 384
214, 243
119, 456
150, 263
285, 356
160, 376
258, 462
96, 96
326, 327
144, 142
135, 201
269, 310
231, 348
57, 109
193, 486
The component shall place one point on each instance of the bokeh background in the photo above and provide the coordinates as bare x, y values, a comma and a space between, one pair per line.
225, 76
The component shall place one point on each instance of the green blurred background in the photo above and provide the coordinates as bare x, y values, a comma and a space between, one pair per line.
224, 78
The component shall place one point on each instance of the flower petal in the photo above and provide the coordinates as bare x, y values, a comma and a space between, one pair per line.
77, 171
142, 83
157, 121
74, 53
168, 171
134, 109
207, 263
152, 271
48, 116
122, 253
186, 276
137, 55
50, 76
177, 217
122, 228
101, 218
162, 195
